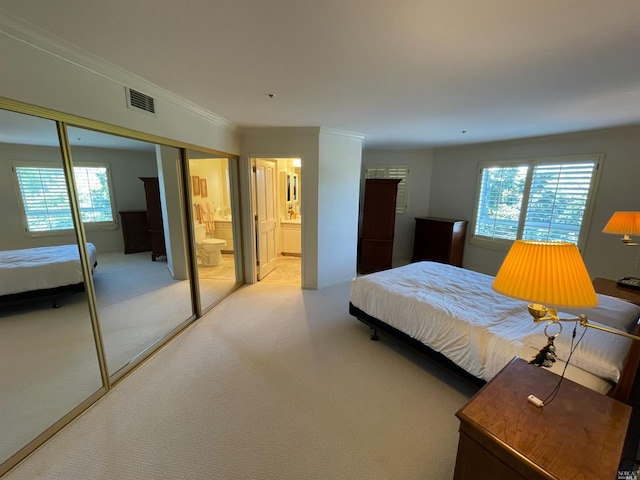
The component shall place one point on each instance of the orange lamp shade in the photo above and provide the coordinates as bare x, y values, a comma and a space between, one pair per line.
547, 273
623, 223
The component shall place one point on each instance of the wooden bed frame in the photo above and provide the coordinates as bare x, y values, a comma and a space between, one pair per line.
623, 390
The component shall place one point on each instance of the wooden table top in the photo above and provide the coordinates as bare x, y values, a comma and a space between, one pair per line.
580, 434
611, 288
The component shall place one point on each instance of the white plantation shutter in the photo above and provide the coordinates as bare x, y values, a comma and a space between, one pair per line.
93, 194
538, 200
557, 202
392, 171
45, 199
500, 202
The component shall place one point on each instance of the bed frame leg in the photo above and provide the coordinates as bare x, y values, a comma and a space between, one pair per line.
374, 334
55, 303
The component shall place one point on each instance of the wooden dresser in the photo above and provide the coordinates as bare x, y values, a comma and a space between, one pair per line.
135, 231
439, 240
580, 434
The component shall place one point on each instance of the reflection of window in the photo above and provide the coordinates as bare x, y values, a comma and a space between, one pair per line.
534, 200
392, 171
45, 199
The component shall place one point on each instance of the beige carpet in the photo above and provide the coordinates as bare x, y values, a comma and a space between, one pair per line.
274, 383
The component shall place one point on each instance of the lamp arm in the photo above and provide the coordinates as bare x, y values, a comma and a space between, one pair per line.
585, 323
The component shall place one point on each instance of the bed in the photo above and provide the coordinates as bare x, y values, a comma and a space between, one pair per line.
455, 315
40, 271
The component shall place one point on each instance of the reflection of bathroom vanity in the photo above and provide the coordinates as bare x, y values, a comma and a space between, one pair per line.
224, 230
291, 238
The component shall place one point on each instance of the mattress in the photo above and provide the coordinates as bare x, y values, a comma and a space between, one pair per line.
456, 312
41, 268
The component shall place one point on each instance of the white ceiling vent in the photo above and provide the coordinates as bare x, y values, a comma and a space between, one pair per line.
140, 101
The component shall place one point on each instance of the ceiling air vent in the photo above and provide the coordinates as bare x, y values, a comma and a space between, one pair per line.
140, 101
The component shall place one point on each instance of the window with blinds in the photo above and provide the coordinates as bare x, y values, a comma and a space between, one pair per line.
537, 200
45, 200
392, 171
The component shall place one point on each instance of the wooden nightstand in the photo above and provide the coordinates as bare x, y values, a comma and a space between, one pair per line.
611, 288
580, 434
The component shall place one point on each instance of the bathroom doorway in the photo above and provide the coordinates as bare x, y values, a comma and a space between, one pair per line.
278, 220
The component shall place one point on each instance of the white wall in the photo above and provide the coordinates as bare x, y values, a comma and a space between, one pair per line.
174, 224
453, 190
338, 197
419, 187
69, 80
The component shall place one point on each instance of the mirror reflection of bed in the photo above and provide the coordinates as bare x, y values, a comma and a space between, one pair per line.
48, 359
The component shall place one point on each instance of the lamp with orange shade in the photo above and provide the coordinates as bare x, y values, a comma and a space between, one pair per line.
625, 224
549, 275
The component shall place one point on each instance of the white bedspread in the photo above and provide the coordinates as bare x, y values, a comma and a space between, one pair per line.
42, 267
457, 313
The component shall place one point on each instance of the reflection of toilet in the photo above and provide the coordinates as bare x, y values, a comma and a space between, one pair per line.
208, 249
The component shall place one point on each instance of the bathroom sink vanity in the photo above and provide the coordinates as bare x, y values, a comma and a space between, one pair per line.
224, 231
291, 236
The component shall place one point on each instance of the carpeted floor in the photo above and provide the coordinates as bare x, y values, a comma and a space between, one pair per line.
275, 382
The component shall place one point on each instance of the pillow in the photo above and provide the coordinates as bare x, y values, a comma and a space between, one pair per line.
611, 311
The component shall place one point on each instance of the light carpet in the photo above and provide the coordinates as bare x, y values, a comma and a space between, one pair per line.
274, 383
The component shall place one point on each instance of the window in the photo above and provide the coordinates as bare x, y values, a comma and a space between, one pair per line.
545, 199
45, 200
392, 171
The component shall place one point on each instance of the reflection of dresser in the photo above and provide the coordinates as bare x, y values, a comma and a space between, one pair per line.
135, 231
154, 216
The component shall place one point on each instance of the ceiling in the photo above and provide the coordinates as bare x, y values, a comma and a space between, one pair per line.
404, 73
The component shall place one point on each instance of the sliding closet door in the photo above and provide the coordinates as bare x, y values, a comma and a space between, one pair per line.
48, 359
131, 199
215, 220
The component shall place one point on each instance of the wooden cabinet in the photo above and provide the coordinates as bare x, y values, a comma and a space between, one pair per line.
378, 224
154, 216
580, 434
439, 240
135, 231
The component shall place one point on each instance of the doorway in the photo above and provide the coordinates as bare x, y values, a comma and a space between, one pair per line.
278, 220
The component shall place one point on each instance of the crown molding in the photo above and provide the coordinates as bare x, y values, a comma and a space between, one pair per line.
342, 133
28, 34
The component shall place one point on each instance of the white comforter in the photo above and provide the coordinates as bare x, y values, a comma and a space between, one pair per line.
456, 312
42, 267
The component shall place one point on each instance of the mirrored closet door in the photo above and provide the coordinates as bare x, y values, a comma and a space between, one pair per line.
48, 359
214, 225
131, 197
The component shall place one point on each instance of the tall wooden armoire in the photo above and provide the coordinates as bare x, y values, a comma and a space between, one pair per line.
154, 216
378, 224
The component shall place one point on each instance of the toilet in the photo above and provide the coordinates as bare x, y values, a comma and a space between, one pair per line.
208, 249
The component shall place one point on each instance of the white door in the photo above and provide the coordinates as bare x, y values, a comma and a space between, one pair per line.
266, 216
